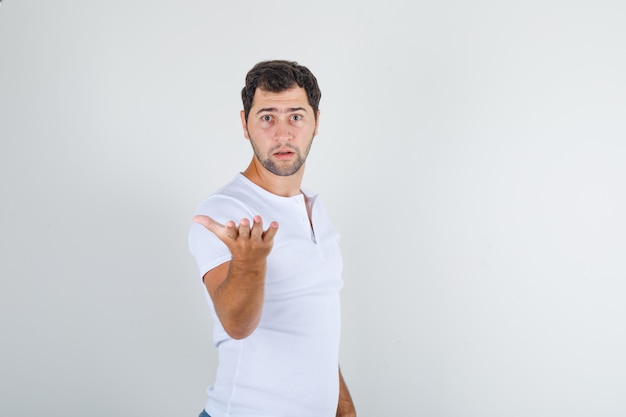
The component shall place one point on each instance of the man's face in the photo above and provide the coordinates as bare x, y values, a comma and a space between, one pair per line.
281, 127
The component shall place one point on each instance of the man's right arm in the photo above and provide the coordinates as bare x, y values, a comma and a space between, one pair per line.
237, 287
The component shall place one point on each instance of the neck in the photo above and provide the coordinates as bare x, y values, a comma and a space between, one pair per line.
286, 186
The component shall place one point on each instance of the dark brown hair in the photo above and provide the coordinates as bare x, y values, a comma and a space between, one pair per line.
276, 76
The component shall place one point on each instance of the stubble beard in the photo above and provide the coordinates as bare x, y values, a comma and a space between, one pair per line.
282, 170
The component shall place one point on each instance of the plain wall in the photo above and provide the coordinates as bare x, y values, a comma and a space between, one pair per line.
472, 155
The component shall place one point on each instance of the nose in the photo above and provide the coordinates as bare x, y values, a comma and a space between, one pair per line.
282, 131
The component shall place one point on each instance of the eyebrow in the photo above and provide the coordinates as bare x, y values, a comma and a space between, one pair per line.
275, 110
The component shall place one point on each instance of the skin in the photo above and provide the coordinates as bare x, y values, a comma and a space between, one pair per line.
281, 128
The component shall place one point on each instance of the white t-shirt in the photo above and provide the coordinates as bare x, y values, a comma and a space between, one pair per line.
288, 367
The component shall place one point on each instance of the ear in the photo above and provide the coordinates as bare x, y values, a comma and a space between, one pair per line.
317, 123
244, 125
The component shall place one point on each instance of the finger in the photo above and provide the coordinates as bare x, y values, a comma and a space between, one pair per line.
257, 227
230, 230
209, 223
244, 228
269, 234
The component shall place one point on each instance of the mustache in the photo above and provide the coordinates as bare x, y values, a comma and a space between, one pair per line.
283, 146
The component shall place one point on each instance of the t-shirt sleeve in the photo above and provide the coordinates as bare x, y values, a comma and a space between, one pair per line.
208, 250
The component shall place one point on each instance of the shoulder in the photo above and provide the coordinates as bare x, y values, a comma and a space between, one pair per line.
230, 200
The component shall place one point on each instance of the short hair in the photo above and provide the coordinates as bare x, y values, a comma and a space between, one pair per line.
279, 75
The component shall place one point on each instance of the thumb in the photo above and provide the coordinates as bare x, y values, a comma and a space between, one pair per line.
208, 223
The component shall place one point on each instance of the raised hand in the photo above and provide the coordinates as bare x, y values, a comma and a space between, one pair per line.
237, 287
246, 243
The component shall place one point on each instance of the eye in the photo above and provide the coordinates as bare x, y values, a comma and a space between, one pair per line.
266, 118
296, 117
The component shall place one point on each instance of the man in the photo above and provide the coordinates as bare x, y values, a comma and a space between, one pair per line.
274, 291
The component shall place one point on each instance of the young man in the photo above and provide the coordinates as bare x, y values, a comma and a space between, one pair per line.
273, 291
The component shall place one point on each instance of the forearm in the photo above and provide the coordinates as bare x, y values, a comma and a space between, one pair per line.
239, 299
237, 287
345, 406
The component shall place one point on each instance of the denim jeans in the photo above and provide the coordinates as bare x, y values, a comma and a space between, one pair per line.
204, 414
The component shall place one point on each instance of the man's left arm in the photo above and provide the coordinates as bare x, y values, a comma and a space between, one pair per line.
345, 407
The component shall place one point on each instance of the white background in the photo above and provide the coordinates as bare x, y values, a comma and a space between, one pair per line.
472, 155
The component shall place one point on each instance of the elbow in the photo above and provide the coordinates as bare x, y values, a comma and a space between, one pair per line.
238, 334
238, 330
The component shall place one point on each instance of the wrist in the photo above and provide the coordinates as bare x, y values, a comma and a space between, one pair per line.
248, 266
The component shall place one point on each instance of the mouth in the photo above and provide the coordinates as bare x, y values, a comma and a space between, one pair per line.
283, 154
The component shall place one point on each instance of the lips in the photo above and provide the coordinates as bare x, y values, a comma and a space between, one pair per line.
283, 153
